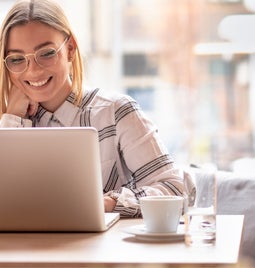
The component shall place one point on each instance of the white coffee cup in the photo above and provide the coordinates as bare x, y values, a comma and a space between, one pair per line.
161, 214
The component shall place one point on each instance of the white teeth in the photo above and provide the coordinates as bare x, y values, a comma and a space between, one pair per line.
38, 84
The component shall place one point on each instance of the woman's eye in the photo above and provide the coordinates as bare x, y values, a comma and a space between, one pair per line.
16, 60
47, 53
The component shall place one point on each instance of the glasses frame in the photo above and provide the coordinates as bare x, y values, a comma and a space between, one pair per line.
35, 58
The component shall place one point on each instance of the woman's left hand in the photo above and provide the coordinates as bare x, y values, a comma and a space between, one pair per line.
109, 204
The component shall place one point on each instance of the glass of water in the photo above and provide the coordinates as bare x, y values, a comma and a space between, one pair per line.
200, 217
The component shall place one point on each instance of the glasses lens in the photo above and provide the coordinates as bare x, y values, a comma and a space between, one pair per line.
46, 57
16, 63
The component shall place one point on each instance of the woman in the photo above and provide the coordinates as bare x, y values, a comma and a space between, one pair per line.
41, 86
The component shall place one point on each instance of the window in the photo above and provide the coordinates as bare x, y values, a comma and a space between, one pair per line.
138, 64
144, 96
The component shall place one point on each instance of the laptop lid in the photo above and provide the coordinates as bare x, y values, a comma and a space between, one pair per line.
50, 180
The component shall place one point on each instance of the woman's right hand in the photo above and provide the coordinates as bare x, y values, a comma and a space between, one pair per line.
19, 104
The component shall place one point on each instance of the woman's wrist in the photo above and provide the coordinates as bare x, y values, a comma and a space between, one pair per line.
11, 120
115, 196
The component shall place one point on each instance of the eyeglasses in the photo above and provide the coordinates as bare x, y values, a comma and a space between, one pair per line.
45, 57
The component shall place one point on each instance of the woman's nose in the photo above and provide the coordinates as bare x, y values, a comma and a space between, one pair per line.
32, 64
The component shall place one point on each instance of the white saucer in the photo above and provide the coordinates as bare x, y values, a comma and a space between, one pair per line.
140, 232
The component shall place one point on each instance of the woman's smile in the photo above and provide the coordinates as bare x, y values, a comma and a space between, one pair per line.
39, 83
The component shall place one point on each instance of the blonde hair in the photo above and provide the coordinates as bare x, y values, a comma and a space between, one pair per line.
51, 14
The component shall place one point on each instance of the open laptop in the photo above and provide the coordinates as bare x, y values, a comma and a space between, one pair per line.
50, 180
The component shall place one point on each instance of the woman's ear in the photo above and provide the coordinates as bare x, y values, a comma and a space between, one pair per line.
71, 46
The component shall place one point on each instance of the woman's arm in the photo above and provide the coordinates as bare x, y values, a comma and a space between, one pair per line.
145, 156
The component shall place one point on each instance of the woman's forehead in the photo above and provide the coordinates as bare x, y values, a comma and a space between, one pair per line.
31, 35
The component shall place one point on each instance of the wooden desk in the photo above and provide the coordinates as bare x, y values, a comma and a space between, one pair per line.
117, 247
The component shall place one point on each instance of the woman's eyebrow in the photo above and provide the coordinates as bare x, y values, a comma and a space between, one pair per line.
35, 49
14, 51
43, 45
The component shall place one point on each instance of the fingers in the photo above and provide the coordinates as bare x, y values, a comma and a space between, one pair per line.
19, 104
32, 108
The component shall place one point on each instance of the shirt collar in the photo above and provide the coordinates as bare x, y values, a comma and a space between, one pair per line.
65, 114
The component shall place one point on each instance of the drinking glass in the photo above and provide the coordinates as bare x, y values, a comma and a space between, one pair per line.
200, 218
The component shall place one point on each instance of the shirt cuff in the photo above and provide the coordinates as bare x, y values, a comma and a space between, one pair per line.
10, 120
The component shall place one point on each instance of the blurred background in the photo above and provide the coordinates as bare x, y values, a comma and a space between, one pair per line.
190, 64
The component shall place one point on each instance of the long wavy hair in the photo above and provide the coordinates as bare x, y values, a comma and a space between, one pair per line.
51, 14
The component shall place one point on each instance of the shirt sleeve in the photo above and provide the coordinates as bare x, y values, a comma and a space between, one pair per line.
145, 156
10, 120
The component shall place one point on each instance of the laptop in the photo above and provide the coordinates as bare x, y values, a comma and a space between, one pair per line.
50, 181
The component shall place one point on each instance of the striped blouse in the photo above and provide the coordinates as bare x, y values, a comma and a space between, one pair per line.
134, 161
